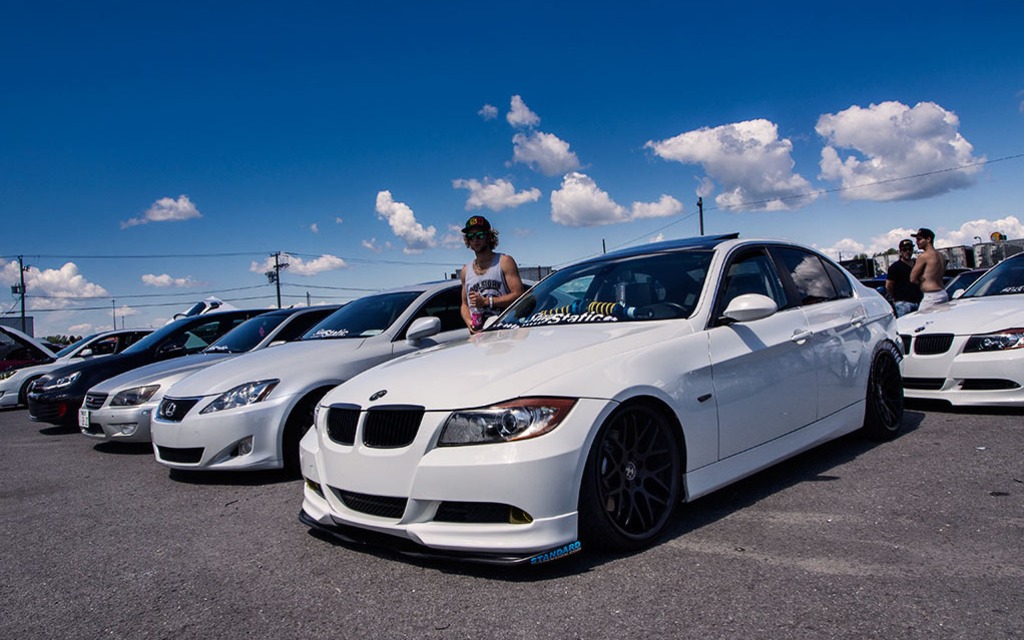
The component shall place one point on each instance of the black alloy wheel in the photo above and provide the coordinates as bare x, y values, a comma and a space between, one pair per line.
632, 480
883, 414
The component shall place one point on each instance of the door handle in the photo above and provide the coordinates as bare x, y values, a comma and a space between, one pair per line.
859, 320
800, 335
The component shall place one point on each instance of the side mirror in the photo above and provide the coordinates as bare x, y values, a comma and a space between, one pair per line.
749, 307
489, 321
85, 353
423, 328
957, 294
170, 351
277, 342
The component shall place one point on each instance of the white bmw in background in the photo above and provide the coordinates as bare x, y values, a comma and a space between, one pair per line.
14, 383
121, 408
970, 351
250, 412
611, 391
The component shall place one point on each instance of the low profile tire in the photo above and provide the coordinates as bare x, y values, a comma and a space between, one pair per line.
883, 414
23, 392
299, 422
632, 480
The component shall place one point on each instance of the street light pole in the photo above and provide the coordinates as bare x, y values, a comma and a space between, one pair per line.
700, 209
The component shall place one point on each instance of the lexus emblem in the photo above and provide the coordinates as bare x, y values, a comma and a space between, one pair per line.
380, 394
168, 409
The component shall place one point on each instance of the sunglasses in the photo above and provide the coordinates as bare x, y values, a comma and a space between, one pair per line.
476, 235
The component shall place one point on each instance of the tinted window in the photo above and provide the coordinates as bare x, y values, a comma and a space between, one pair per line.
807, 274
74, 345
301, 322
630, 289
839, 279
248, 334
104, 346
447, 306
752, 272
364, 317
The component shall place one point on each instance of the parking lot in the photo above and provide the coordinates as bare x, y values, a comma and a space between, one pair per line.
921, 537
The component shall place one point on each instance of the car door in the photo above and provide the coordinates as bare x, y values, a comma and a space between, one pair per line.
763, 370
837, 322
445, 305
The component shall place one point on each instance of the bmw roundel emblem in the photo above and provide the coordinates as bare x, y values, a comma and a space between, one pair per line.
380, 394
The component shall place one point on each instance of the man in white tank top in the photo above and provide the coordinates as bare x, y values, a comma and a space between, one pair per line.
491, 281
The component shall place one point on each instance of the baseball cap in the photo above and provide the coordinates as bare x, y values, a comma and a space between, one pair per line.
924, 232
906, 244
477, 222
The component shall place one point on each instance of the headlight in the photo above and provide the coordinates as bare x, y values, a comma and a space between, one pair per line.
62, 382
1001, 341
242, 395
132, 397
7, 374
514, 420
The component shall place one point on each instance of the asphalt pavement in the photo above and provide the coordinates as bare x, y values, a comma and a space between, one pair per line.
921, 537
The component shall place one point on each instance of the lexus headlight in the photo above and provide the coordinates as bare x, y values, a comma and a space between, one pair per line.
1000, 341
132, 397
7, 374
513, 420
242, 395
62, 382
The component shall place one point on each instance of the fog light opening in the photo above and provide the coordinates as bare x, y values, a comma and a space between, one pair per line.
128, 428
314, 487
243, 448
518, 516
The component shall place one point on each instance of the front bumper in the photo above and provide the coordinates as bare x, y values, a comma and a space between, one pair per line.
244, 438
994, 378
504, 503
58, 408
121, 424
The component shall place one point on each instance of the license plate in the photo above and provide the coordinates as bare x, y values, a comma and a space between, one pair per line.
83, 418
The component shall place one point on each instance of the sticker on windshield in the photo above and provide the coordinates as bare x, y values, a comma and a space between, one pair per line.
1015, 289
581, 312
330, 333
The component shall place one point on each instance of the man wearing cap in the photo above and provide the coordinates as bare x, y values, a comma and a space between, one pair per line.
491, 281
904, 293
928, 270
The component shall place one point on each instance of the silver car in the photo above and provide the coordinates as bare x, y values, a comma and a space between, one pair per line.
120, 408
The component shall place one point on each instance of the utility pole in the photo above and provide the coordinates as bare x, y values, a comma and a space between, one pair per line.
274, 275
21, 289
700, 209
113, 312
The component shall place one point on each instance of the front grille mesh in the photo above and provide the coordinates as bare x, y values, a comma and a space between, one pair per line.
925, 384
94, 401
931, 344
341, 423
380, 506
391, 427
174, 409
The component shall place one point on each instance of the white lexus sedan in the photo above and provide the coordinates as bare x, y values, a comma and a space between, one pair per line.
970, 351
250, 412
607, 394
121, 408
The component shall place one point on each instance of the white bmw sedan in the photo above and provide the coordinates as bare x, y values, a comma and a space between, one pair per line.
970, 351
120, 409
610, 392
250, 412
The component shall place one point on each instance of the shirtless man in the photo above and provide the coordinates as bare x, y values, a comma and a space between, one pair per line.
928, 270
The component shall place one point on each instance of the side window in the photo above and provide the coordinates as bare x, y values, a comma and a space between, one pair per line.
201, 336
839, 280
447, 306
301, 324
752, 272
105, 346
808, 275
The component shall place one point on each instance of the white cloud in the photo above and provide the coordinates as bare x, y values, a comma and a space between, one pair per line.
166, 210
49, 288
403, 224
658, 238
893, 141
843, 249
298, 266
1009, 226
519, 114
581, 203
494, 194
372, 245
488, 112
664, 207
544, 152
125, 311
315, 228
165, 280
338, 220
747, 159
453, 239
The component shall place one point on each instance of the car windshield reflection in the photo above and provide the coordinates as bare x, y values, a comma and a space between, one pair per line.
363, 318
631, 289
1006, 278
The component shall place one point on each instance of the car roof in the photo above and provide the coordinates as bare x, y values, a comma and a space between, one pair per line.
700, 242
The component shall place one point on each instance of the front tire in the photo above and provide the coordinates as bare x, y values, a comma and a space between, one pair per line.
632, 480
300, 420
883, 414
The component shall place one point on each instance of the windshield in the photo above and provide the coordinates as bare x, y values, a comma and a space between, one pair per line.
637, 288
248, 334
1005, 278
157, 336
364, 317
74, 345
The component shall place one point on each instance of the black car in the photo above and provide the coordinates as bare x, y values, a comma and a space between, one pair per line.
56, 397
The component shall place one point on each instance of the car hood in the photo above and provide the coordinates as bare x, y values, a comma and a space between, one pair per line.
159, 371
323, 359
501, 365
93, 371
967, 316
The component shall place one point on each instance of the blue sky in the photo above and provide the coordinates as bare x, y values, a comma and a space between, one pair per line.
155, 153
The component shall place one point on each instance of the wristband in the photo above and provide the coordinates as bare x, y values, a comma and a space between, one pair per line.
490, 302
